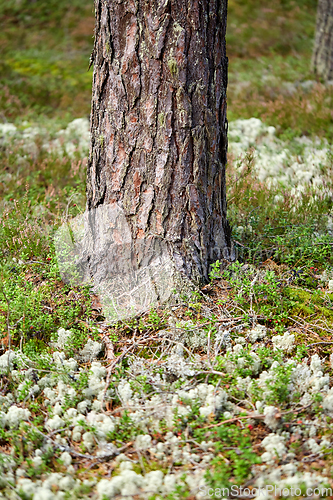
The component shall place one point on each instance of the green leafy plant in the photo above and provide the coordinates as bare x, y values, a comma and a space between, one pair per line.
234, 460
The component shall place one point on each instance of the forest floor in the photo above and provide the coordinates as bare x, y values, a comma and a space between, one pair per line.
228, 391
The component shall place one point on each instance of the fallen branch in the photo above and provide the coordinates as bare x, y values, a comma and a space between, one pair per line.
255, 416
211, 372
70, 450
317, 343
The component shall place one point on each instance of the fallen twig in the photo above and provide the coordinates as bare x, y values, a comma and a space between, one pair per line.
255, 416
70, 450
317, 343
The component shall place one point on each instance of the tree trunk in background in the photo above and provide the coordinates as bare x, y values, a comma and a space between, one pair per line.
158, 124
322, 59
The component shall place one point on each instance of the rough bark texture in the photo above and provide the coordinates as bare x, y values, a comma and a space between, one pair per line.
322, 60
158, 124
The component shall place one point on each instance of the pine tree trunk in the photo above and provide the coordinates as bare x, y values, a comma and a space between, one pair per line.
158, 124
322, 59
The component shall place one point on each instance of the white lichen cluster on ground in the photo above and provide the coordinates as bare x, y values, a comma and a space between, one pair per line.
294, 164
154, 397
74, 139
130, 433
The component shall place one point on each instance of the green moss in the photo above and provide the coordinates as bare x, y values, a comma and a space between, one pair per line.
302, 310
172, 63
326, 312
298, 294
161, 119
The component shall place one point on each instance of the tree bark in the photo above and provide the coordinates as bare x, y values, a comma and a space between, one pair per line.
322, 59
158, 124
